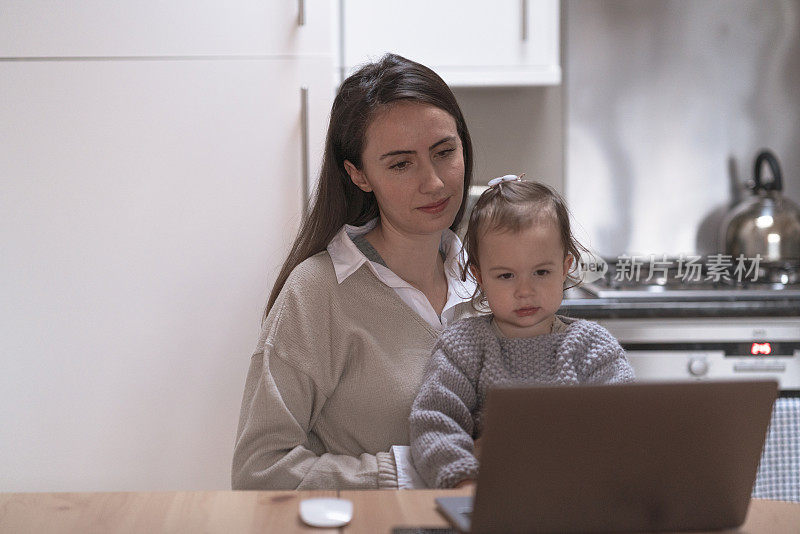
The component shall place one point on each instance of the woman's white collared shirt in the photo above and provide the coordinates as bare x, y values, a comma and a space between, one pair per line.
347, 258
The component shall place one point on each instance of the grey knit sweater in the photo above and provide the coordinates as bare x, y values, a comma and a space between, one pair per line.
469, 358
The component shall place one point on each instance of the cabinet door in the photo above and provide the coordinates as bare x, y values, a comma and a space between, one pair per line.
468, 42
145, 208
43, 28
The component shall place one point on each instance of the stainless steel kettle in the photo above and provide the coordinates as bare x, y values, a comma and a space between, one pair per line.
767, 223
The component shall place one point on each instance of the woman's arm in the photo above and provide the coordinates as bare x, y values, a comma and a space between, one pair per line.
299, 362
441, 424
274, 443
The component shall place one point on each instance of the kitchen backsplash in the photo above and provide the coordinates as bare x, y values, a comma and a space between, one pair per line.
665, 107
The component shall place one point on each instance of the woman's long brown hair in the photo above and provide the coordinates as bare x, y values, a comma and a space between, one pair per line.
336, 200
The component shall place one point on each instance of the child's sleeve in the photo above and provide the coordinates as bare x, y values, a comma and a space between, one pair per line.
441, 422
604, 361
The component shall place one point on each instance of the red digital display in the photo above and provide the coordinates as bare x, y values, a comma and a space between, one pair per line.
760, 348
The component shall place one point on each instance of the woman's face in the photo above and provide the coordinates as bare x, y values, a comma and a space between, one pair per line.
414, 163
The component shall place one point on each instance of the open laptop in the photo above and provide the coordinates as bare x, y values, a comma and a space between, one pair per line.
633, 457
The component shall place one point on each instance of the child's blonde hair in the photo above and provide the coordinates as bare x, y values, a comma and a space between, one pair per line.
513, 206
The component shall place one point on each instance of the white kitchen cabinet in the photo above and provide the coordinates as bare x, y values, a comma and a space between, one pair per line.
90, 28
145, 207
467, 42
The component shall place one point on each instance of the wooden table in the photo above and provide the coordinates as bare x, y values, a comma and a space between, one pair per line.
263, 511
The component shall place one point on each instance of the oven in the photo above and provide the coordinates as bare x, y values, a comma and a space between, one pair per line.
710, 328
707, 348
714, 324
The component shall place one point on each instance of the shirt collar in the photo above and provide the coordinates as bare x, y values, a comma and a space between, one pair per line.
347, 259
344, 253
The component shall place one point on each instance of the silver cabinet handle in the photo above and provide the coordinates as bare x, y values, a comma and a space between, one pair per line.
301, 12
524, 19
304, 147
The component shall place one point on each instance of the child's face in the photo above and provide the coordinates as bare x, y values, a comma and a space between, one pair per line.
522, 275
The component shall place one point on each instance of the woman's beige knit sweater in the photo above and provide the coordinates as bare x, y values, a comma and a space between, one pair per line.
331, 383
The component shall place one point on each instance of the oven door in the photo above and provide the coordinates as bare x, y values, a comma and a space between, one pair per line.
662, 365
712, 349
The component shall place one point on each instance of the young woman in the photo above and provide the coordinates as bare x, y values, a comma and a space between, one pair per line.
370, 282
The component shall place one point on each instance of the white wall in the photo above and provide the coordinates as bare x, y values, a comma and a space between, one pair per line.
145, 205
514, 130
667, 105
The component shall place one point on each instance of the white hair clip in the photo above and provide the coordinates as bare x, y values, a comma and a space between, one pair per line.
506, 178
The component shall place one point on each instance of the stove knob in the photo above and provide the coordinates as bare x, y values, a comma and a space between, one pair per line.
698, 367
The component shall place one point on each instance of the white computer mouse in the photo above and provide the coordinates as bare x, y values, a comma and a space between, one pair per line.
325, 512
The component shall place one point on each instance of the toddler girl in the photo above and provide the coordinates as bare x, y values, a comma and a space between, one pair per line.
520, 250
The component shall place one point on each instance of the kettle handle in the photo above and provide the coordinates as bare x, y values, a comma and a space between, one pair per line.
772, 161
